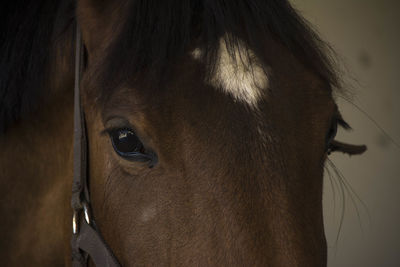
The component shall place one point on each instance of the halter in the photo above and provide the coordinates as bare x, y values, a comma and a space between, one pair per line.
86, 239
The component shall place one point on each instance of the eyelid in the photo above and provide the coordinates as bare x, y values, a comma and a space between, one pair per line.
116, 122
108, 131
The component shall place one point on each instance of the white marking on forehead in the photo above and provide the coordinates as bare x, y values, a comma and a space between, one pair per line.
239, 74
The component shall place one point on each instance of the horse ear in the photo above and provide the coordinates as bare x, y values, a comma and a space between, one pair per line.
347, 148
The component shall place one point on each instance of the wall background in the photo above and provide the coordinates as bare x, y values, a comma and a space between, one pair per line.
366, 34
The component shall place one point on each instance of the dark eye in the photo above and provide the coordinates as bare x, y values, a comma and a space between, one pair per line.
331, 133
128, 145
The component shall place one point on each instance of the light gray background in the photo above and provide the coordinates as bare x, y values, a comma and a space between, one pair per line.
366, 34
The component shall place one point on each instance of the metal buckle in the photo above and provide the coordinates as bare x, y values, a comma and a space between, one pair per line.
75, 217
75, 224
86, 211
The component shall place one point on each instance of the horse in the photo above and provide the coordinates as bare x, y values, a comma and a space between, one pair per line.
207, 125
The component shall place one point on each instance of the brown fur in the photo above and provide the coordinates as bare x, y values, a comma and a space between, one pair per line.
221, 193
218, 196
35, 172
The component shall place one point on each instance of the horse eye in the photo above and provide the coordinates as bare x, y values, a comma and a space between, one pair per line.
127, 144
331, 133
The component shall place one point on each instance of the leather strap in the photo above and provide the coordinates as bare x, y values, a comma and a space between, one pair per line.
86, 239
80, 145
90, 241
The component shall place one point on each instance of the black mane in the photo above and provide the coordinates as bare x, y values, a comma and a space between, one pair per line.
27, 31
153, 34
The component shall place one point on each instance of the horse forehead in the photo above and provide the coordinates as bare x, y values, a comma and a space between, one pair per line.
238, 72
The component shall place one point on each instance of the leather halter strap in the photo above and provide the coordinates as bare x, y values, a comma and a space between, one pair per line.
86, 239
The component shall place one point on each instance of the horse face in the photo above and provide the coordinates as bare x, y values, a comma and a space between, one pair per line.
210, 170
